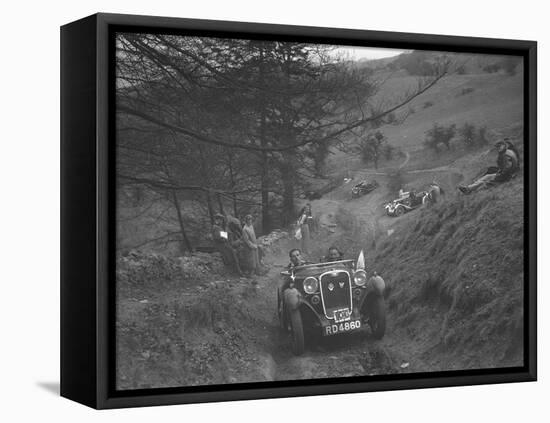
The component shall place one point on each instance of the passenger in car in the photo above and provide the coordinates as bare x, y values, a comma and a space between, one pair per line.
334, 254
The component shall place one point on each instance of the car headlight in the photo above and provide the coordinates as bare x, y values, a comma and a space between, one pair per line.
360, 277
311, 285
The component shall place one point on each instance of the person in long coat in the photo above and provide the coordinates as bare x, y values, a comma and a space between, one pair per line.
305, 223
251, 259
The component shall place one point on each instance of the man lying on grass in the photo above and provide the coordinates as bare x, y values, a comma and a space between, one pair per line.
507, 166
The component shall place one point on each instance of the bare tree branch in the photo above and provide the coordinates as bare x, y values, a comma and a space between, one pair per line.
252, 147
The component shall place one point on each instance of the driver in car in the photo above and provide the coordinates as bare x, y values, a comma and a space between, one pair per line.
296, 258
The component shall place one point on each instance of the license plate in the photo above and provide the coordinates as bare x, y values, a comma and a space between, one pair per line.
342, 315
341, 327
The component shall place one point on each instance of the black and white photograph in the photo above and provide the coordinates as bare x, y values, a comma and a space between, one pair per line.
288, 210
254, 211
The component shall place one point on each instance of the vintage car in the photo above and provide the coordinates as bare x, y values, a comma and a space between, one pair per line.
330, 299
363, 188
406, 203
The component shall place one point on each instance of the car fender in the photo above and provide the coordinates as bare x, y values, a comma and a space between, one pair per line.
374, 287
291, 298
378, 285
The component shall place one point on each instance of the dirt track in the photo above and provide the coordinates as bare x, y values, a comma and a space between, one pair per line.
338, 356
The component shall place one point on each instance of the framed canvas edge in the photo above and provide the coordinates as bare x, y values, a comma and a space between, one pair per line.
530, 302
236, 394
78, 219
358, 37
106, 399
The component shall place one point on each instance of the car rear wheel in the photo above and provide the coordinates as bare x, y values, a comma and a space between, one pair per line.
399, 211
296, 332
377, 318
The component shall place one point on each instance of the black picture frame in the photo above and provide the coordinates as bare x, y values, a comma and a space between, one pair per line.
87, 203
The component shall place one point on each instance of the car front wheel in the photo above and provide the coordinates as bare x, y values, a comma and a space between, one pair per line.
296, 332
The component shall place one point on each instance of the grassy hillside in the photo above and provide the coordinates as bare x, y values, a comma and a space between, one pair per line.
492, 100
471, 63
456, 269
456, 277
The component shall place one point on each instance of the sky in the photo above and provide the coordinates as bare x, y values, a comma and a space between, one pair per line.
359, 53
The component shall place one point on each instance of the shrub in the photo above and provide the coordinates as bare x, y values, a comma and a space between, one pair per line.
428, 104
438, 135
491, 68
472, 136
466, 90
467, 134
481, 138
461, 70
372, 147
509, 65
416, 63
391, 118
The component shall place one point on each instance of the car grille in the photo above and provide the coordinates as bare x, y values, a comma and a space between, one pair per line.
339, 296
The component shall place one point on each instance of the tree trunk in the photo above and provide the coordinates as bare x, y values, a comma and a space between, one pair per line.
264, 184
232, 178
220, 204
266, 223
288, 191
288, 157
210, 206
185, 244
204, 173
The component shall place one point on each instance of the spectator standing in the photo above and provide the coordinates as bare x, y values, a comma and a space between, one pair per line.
226, 244
252, 262
305, 223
